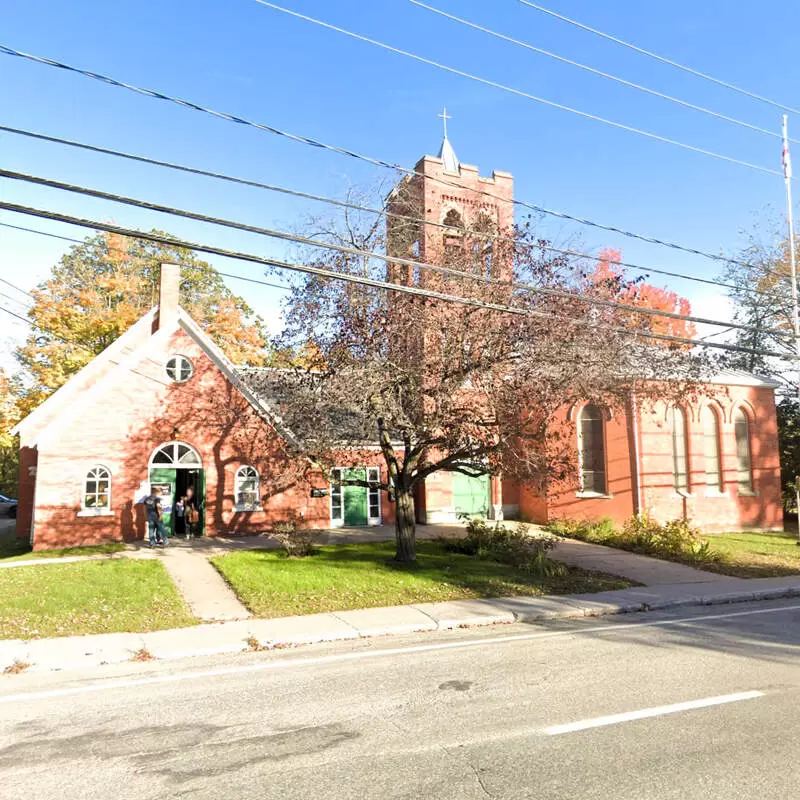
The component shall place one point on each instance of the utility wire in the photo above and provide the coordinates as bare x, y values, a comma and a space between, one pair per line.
364, 281
518, 92
41, 233
13, 299
662, 59
371, 160
600, 73
355, 206
8, 283
408, 262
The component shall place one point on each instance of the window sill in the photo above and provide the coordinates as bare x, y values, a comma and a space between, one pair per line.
747, 493
95, 512
240, 509
594, 495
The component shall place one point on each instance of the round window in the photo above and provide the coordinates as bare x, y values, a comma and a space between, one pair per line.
179, 369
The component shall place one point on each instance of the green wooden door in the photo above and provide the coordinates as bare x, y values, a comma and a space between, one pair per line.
471, 495
166, 476
201, 502
355, 498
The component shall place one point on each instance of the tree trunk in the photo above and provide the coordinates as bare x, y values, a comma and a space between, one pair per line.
405, 526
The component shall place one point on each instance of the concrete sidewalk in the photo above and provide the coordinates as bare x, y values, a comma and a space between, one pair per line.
642, 569
230, 637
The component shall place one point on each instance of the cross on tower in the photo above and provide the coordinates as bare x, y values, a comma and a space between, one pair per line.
444, 116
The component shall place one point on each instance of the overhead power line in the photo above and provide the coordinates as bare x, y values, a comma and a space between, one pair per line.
355, 206
518, 92
600, 73
408, 262
14, 299
13, 286
41, 233
364, 281
371, 160
662, 59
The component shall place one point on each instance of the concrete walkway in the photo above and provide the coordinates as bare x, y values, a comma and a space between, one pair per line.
78, 652
205, 591
642, 569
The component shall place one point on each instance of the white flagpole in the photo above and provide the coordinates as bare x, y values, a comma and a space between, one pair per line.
787, 176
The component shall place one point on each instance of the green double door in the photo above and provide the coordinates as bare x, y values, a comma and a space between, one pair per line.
355, 506
173, 484
471, 495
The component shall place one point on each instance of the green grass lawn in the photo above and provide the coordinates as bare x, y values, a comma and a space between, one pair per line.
90, 597
341, 577
755, 554
13, 549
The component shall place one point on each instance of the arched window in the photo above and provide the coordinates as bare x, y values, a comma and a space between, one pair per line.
744, 468
680, 451
97, 490
247, 489
591, 450
453, 220
179, 369
453, 238
711, 448
175, 454
485, 230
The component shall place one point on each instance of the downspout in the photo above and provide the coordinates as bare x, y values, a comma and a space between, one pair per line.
636, 476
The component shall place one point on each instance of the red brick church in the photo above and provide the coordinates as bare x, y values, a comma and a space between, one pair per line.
163, 406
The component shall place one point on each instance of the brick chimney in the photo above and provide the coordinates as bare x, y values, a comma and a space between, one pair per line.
168, 296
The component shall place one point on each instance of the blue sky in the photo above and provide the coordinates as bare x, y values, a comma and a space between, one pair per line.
240, 57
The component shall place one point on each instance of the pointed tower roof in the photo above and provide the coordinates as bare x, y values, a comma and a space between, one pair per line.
446, 152
448, 156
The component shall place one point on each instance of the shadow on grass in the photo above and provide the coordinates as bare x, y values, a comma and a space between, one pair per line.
363, 575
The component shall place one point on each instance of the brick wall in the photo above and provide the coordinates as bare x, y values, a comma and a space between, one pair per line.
121, 426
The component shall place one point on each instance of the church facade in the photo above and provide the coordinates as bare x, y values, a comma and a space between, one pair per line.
163, 407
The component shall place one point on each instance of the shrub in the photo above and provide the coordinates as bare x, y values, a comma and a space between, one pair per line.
677, 539
296, 539
515, 546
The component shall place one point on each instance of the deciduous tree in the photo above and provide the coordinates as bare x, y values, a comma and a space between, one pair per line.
101, 287
443, 386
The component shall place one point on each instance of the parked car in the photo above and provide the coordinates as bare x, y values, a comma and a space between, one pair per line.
8, 506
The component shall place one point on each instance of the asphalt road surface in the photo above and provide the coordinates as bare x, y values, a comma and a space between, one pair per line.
701, 703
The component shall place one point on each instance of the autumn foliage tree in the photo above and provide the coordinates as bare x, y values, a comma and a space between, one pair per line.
101, 287
94, 294
609, 280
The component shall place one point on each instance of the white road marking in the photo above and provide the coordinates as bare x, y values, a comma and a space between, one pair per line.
394, 651
645, 713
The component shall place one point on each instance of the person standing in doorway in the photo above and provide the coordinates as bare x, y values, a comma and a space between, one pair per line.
155, 523
191, 513
180, 520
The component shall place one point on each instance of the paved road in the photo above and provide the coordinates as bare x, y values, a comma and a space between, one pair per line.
468, 714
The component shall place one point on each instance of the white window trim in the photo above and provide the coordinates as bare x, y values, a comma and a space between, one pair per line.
336, 490
596, 495
187, 360
239, 506
374, 520
175, 464
95, 511
338, 522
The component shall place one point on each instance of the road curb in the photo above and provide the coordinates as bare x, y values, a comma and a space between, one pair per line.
80, 652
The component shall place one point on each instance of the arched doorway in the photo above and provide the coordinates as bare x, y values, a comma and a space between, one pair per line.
174, 467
